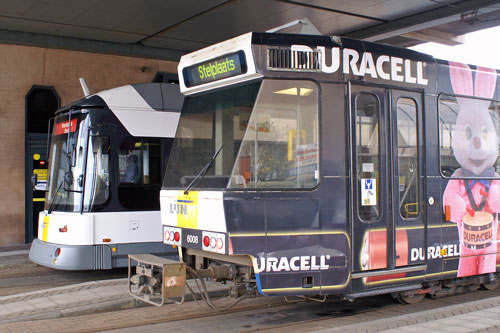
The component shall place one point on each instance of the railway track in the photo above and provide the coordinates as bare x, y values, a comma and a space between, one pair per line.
274, 314
23, 276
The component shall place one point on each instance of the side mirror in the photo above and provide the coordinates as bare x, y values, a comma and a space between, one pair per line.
68, 178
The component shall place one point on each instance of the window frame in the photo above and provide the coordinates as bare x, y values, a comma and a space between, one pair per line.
417, 156
319, 129
440, 165
358, 182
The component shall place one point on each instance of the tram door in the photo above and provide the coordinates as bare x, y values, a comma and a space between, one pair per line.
387, 180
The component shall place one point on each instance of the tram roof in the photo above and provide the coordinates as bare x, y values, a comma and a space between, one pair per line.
169, 29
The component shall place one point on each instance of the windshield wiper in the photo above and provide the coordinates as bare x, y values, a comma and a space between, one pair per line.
67, 179
52, 202
204, 170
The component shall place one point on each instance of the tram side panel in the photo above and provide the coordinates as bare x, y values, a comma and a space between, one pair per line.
302, 250
461, 229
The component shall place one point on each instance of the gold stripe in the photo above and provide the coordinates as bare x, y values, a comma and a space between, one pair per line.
410, 277
335, 286
38, 199
314, 232
45, 231
304, 233
370, 283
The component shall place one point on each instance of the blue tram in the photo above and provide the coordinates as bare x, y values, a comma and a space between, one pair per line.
316, 165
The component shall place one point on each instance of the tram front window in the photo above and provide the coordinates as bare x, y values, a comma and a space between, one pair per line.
78, 166
67, 162
265, 133
280, 147
208, 122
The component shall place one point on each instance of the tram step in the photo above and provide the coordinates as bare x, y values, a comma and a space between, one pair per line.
380, 291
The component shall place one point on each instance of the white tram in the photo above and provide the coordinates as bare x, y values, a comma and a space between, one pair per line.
107, 157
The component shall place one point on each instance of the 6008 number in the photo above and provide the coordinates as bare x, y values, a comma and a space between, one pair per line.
192, 239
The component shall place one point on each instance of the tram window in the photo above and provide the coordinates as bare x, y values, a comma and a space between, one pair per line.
97, 179
449, 110
407, 158
280, 145
368, 156
139, 164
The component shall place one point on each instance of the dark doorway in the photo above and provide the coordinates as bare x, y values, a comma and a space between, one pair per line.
41, 103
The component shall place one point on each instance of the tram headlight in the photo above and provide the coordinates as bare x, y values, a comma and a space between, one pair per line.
219, 244
172, 235
214, 242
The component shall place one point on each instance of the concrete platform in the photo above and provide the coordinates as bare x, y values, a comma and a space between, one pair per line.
65, 301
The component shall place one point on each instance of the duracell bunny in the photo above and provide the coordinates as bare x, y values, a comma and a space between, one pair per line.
474, 198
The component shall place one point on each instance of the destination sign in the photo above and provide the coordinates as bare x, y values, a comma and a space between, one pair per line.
216, 69
64, 127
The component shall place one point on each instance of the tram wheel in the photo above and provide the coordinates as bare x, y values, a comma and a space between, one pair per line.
488, 286
413, 299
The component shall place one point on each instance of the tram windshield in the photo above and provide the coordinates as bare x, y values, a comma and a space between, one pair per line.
74, 173
258, 135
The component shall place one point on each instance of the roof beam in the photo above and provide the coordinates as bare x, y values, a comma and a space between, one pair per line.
87, 45
332, 10
435, 36
424, 20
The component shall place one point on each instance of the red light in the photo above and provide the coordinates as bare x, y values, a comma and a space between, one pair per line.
206, 241
58, 252
177, 236
42, 162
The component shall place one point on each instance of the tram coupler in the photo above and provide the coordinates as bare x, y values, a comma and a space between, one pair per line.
156, 279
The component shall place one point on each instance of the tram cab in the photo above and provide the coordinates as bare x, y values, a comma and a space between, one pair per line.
316, 165
107, 156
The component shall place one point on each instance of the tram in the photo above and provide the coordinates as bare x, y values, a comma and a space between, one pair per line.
107, 157
316, 166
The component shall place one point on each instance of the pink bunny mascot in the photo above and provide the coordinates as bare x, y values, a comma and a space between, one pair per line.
475, 146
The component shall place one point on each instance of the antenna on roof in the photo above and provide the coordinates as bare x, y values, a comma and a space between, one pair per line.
85, 89
306, 27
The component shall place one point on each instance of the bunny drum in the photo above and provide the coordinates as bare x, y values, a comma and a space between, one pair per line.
477, 230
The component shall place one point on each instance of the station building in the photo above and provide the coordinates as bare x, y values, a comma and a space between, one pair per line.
34, 83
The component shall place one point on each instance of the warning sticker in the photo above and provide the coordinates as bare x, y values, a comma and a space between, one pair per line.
368, 192
42, 176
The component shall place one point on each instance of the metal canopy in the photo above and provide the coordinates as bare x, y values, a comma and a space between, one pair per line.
165, 29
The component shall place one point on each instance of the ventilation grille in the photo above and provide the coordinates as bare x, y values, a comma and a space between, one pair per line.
288, 59
100, 257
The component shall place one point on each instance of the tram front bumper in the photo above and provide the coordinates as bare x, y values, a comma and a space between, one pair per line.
65, 257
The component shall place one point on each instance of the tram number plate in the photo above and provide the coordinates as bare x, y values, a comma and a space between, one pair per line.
192, 238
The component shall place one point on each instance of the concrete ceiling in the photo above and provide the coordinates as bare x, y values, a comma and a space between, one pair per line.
166, 29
